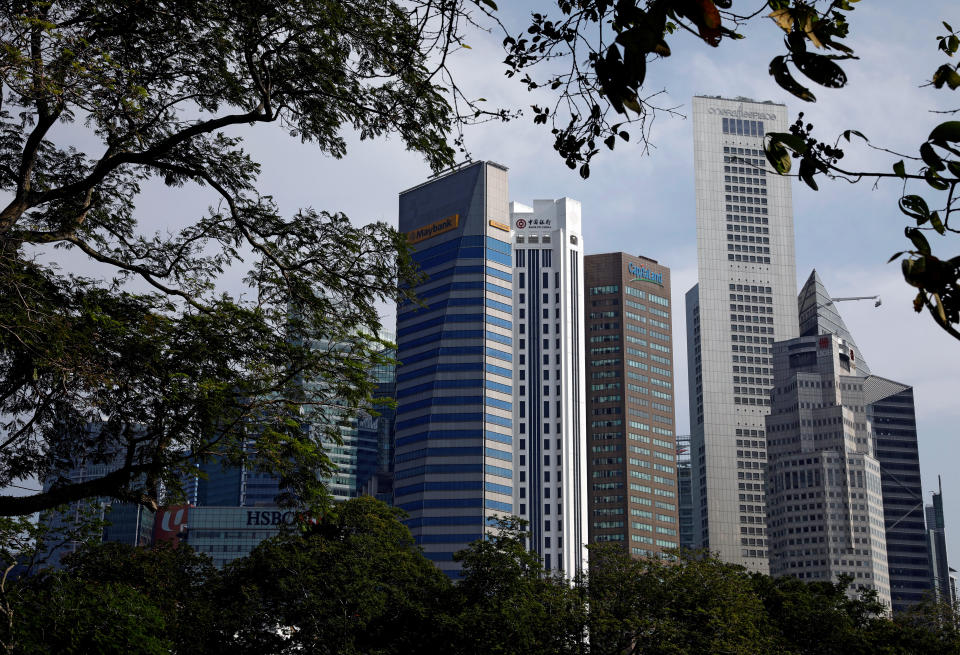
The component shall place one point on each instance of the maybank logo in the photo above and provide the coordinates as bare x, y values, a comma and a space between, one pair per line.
641, 274
432, 230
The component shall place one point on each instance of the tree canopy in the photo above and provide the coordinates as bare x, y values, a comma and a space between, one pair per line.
356, 583
148, 366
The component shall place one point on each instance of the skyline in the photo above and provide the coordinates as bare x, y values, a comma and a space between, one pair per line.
652, 197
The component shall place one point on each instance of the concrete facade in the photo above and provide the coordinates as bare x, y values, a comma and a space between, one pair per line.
824, 494
549, 396
745, 299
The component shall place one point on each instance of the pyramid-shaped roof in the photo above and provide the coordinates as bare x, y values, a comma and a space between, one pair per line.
819, 315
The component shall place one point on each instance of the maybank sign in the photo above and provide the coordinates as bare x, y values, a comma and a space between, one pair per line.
433, 229
642, 274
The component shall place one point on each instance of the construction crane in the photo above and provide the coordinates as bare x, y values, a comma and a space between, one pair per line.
876, 304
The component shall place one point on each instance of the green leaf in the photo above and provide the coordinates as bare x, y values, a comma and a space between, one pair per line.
847, 133
947, 25
792, 141
821, 69
490, 3
946, 132
915, 207
899, 169
913, 271
807, 170
935, 180
946, 74
919, 241
781, 74
896, 255
930, 157
954, 167
941, 313
937, 223
778, 157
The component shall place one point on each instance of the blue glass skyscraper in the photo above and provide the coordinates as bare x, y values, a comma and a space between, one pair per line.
454, 445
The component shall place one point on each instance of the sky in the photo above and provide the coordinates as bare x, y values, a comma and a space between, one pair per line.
641, 200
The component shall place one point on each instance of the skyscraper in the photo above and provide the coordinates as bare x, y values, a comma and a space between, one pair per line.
937, 547
824, 494
550, 393
891, 413
453, 462
630, 433
745, 299
684, 489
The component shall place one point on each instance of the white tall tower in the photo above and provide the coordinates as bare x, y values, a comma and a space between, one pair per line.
745, 300
549, 394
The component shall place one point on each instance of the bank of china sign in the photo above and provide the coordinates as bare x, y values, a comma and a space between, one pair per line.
533, 223
641, 274
433, 229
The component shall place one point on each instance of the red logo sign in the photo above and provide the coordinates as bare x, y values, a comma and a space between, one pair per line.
169, 523
824, 342
521, 223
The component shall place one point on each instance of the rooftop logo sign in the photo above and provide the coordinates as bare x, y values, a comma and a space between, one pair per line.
739, 113
535, 223
641, 274
433, 229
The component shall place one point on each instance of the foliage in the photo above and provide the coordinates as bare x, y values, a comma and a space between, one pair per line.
843, 624
506, 603
607, 47
146, 364
355, 583
65, 614
693, 605
936, 166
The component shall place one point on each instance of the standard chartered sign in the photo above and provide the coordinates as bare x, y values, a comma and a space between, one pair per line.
739, 113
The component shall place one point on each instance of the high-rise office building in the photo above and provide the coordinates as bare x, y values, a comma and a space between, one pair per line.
937, 547
377, 428
824, 495
127, 523
891, 412
630, 428
684, 492
744, 300
818, 314
549, 395
453, 461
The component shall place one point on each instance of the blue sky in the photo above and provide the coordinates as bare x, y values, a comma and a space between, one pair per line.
642, 200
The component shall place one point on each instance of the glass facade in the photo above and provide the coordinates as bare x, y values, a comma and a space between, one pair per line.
454, 424
229, 533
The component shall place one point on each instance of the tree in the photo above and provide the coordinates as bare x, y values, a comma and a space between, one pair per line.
354, 583
149, 365
505, 602
843, 623
695, 604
